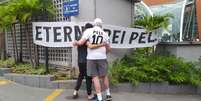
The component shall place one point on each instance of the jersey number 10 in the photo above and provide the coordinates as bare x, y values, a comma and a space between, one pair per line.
97, 39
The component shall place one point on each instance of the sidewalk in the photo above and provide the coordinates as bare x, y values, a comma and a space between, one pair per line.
144, 97
17, 92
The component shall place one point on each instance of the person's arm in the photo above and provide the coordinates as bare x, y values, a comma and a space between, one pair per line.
83, 39
108, 48
93, 46
80, 42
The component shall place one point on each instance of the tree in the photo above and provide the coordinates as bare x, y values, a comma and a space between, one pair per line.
2, 35
152, 23
29, 10
8, 19
24, 11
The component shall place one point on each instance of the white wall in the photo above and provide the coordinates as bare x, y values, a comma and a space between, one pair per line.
86, 11
188, 51
113, 12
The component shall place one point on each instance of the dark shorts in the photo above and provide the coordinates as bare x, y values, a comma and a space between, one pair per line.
97, 67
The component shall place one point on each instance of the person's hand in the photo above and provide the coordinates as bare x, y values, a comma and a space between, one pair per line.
87, 43
104, 44
75, 43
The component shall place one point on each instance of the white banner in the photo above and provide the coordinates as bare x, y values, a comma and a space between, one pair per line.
62, 34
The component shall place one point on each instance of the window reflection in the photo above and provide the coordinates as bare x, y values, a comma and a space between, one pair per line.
175, 32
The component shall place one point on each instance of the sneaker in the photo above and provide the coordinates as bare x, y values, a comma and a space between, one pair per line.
75, 96
108, 98
93, 98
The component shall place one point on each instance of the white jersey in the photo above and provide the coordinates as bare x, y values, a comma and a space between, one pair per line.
96, 35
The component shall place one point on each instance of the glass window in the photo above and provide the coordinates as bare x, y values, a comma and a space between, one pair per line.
172, 34
140, 11
190, 31
175, 32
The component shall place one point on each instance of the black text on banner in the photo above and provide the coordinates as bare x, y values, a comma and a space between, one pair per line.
62, 34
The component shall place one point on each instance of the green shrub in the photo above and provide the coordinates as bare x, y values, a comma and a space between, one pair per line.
120, 73
8, 63
27, 69
138, 67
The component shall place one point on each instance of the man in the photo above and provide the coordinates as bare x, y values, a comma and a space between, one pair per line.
82, 63
98, 44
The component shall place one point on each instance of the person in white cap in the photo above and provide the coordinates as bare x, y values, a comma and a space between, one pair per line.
97, 66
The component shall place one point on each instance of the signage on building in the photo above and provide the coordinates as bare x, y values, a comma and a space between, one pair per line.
62, 34
70, 8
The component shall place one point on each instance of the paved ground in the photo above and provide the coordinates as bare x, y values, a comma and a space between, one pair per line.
10, 91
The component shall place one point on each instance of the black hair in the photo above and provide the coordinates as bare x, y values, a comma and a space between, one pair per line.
88, 25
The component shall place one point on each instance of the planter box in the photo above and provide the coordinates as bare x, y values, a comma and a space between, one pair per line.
198, 90
183, 89
64, 84
4, 71
164, 88
41, 81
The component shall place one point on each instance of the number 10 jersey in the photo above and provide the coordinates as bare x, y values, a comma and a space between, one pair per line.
96, 35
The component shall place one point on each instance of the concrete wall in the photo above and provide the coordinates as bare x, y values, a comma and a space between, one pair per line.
188, 51
113, 12
86, 12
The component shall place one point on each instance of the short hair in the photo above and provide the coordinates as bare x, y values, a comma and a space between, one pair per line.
98, 22
88, 25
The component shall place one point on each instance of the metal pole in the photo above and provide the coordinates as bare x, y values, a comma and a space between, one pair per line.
46, 61
95, 9
132, 12
20, 42
46, 51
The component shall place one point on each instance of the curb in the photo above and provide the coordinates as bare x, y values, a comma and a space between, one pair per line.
4, 71
198, 90
162, 88
46, 81
40, 81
